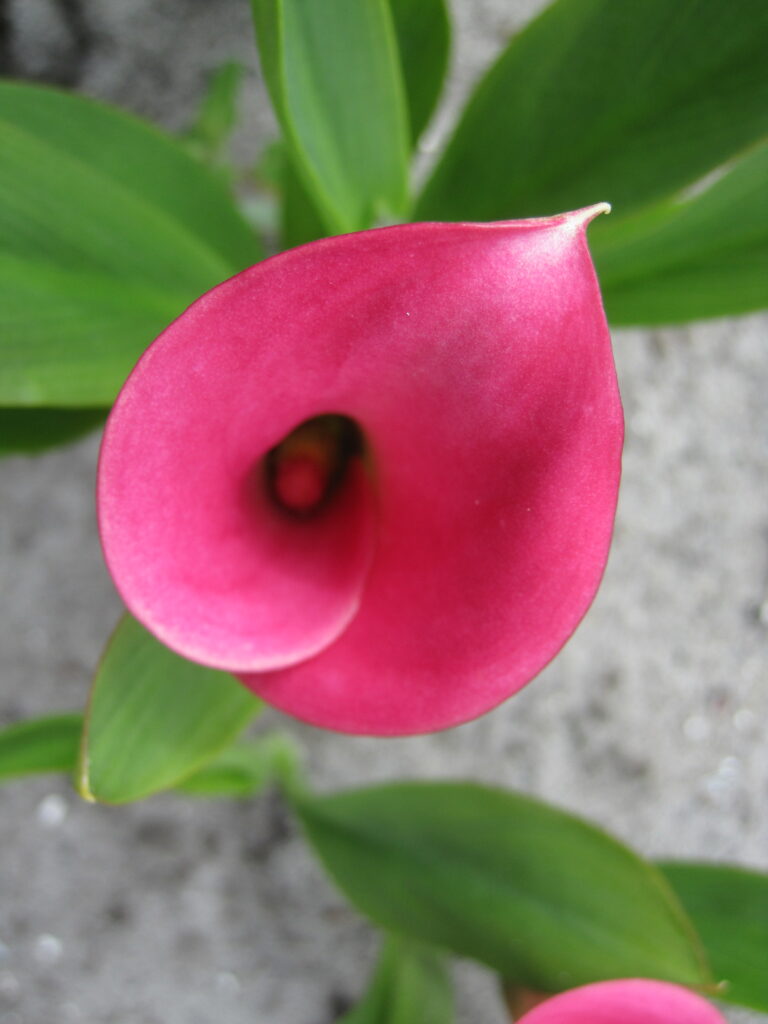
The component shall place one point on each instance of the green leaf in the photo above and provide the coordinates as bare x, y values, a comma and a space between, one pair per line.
245, 769
300, 220
423, 32
409, 986
698, 257
154, 718
729, 907
39, 746
544, 898
53, 744
108, 230
333, 74
216, 117
598, 100
32, 430
69, 337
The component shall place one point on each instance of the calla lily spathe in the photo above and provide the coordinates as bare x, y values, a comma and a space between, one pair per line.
464, 526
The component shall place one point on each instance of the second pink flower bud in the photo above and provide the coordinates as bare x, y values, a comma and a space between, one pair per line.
635, 1001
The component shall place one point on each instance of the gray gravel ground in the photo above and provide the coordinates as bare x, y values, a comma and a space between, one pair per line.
651, 722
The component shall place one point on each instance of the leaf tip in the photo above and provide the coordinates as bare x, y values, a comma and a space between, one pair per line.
82, 780
586, 215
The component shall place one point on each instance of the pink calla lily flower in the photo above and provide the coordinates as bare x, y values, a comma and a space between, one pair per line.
635, 1001
375, 476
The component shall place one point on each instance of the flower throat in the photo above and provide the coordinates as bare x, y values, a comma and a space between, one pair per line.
306, 469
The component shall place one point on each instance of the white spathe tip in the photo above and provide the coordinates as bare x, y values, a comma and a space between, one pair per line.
588, 213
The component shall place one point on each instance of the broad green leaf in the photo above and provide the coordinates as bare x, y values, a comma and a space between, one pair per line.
423, 32
300, 220
154, 718
333, 73
245, 769
70, 337
217, 114
545, 899
52, 744
39, 746
598, 100
261, 207
410, 985
108, 230
31, 430
729, 907
698, 257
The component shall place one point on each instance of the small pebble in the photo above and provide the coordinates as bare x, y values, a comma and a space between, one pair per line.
48, 950
722, 785
744, 720
730, 767
696, 728
9, 988
228, 983
52, 810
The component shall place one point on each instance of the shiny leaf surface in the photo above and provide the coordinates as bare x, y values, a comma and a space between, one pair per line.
603, 101
410, 985
703, 256
108, 230
729, 907
334, 77
40, 746
154, 718
543, 898
423, 32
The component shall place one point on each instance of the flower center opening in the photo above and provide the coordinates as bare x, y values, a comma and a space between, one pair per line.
306, 469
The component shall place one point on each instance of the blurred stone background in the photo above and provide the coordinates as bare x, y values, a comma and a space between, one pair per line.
651, 722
